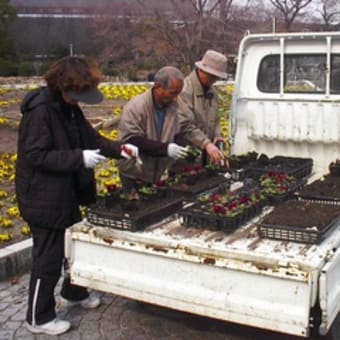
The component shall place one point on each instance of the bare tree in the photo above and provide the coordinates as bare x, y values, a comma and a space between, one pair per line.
189, 27
115, 32
148, 34
330, 13
290, 9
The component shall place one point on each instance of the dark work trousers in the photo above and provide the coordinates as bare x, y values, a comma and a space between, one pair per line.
47, 262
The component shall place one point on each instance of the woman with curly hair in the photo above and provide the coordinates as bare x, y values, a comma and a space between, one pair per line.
57, 151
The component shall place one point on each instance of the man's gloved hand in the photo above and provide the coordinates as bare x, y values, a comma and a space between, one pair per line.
92, 158
176, 151
129, 151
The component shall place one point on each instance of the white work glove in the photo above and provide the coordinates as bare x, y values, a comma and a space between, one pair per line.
129, 151
176, 151
92, 158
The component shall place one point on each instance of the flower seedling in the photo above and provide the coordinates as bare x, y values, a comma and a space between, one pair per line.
193, 154
276, 183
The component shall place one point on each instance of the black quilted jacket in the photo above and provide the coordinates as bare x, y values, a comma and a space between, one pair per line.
51, 180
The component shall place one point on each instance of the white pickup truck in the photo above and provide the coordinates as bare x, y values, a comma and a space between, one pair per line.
286, 102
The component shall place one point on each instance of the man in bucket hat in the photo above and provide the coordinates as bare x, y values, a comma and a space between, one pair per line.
198, 105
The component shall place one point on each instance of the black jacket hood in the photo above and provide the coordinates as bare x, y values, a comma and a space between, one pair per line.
37, 97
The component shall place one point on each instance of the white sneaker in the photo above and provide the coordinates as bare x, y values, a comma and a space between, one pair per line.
54, 327
91, 302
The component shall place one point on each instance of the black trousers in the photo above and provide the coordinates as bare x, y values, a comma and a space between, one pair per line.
47, 262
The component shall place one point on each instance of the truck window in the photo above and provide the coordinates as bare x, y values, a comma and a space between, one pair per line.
335, 74
302, 73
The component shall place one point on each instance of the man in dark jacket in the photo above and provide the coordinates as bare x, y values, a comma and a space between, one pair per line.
57, 151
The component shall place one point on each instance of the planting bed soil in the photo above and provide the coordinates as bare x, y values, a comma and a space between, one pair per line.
302, 221
327, 189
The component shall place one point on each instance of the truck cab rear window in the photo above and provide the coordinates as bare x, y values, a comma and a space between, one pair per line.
301, 74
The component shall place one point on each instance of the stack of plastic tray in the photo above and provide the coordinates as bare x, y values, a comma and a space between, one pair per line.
293, 166
147, 212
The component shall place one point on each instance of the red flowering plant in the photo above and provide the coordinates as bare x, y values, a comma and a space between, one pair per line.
110, 190
256, 197
192, 170
111, 187
162, 183
191, 174
231, 204
276, 183
228, 204
112, 194
162, 187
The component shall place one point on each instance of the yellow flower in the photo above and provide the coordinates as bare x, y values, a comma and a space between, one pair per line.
6, 237
3, 194
5, 223
25, 230
104, 173
13, 212
83, 211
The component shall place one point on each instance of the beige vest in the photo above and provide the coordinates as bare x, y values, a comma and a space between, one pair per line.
139, 119
198, 115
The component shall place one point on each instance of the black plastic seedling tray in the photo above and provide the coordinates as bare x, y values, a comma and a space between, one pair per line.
293, 166
201, 187
298, 229
145, 213
326, 190
199, 215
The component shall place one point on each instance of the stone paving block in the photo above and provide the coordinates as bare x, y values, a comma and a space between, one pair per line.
3, 305
74, 334
88, 327
19, 316
6, 335
3, 318
22, 331
5, 293
108, 325
94, 316
11, 325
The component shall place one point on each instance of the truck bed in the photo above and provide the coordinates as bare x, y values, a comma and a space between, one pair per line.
170, 238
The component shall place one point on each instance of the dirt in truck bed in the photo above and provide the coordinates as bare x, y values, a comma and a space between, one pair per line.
303, 214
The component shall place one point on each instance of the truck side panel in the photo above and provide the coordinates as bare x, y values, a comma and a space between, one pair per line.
248, 297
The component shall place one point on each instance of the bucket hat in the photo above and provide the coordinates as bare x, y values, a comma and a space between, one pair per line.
214, 63
88, 96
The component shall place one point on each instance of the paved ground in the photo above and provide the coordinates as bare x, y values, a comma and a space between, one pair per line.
117, 319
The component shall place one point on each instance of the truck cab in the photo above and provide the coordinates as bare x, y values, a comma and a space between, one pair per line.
286, 99
285, 102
